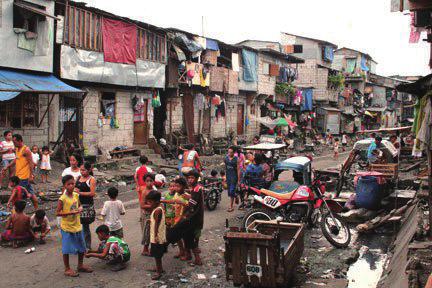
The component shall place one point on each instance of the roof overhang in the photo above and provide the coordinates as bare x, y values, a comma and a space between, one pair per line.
27, 6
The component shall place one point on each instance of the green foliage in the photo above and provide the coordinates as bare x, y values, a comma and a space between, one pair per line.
285, 89
336, 81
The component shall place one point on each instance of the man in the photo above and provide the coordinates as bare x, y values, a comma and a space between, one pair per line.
23, 163
191, 160
375, 145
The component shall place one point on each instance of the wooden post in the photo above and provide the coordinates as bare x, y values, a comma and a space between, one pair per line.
429, 157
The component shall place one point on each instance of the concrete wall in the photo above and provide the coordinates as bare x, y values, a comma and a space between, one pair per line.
46, 132
266, 83
13, 57
105, 137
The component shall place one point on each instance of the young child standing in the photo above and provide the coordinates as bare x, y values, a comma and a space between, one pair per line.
157, 231
40, 225
111, 211
45, 164
336, 149
168, 199
69, 208
181, 199
19, 193
146, 211
7, 152
112, 249
18, 227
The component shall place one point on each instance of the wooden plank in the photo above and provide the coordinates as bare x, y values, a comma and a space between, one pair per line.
252, 257
236, 267
243, 259
74, 25
263, 263
145, 45
94, 32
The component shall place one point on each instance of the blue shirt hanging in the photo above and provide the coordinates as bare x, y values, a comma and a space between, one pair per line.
307, 104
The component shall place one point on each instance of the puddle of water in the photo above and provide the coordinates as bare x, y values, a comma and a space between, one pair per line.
367, 271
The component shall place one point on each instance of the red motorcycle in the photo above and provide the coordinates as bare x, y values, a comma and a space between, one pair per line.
301, 201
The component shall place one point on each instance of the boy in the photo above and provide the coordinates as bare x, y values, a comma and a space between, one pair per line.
157, 232
160, 179
18, 227
195, 215
19, 193
112, 249
169, 204
40, 224
69, 209
111, 211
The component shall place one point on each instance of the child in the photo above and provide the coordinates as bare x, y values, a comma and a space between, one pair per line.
111, 211
35, 155
195, 215
7, 152
223, 177
169, 205
181, 199
140, 172
160, 179
336, 149
40, 224
145, 212
157, 231
344, 141
214, 174
19, 193
45, 165
112, 249
69, 208
18, 227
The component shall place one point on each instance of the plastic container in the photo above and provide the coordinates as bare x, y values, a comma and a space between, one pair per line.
368, 193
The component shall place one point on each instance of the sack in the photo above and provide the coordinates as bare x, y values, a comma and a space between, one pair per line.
88, 215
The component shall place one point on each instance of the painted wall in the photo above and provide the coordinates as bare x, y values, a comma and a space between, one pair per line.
13, 57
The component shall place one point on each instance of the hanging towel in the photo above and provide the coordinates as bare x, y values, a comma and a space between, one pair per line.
250, 65
119, 41
364, 66
351, 64
156, 103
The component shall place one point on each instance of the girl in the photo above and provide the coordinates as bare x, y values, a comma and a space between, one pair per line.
74, 169
232, 168
145, 212
86, 186
69, 209
336, 149
169, 205
45, 165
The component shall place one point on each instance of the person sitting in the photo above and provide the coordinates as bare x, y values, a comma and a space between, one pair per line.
40, 225
18, 229
254, 172
112, 249
373, 146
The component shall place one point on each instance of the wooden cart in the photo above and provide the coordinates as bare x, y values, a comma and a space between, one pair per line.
389, 171
267, 258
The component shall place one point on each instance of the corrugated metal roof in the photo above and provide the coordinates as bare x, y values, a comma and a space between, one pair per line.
16, 82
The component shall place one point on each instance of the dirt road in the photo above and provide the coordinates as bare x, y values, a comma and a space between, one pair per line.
44, 267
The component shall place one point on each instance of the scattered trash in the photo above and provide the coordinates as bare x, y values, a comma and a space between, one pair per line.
121, 184
201, 276
184, 280
30, 250
214, 276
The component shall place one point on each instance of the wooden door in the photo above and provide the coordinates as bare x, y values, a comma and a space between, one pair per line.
206, 121
240, 119
71, 128
188, 116
141, 127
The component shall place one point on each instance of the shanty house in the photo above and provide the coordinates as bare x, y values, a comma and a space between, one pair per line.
29, 93
121, 63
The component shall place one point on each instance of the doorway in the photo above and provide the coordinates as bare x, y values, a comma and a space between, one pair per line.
71, 125
206, 121
141, 127
240, 119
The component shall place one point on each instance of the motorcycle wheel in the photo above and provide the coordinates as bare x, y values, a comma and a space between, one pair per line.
257, 214
212, 200
333, 230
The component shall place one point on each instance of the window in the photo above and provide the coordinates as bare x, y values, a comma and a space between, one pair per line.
107, 104
20, 112
27, 20
266, 68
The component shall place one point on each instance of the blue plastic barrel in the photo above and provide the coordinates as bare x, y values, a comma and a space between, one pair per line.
368, 193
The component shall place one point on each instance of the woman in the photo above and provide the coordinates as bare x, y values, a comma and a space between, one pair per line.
74, 169
86, 186
232, 168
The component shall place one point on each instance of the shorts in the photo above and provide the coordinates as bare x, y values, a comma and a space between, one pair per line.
8, 235
73, 243
157, 250
44, 172
117, 233
26, 184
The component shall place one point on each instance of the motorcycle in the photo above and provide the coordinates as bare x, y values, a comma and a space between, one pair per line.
212, 193
302, 201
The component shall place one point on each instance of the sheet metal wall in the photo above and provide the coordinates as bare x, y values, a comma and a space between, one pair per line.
13, 57
89, 66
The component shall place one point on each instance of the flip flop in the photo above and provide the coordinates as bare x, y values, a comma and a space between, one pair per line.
71, 273
85, 269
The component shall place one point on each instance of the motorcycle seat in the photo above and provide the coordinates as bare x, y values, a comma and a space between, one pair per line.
282, 196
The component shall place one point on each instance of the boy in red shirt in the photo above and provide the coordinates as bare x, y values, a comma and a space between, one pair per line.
19, 193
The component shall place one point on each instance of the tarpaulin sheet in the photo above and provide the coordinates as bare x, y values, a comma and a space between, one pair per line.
250, 65
119, 41
307, 100
191, 45
89, 66
212, 45
16, 82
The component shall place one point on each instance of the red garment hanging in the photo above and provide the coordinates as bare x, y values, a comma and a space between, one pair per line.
119, 41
